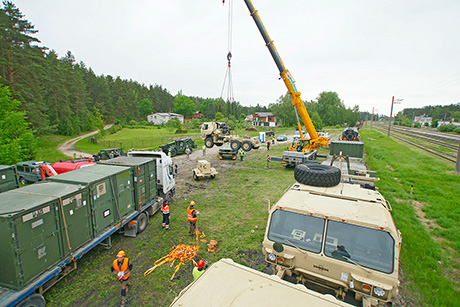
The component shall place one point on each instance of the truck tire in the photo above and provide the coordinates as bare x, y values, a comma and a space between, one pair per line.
235, 144
141, 222
208, 142
34, 300
318, 175
246, 145
22, 180
195, 177
173, 152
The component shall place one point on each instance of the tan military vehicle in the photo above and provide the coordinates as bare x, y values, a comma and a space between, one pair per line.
214, 133
226, 283
203, 169
334, 237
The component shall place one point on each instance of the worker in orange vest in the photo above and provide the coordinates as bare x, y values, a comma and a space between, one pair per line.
192, 216
165, 209
122, 267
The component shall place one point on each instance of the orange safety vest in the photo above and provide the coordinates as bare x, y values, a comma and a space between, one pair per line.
124, 267
165, 209
190, 215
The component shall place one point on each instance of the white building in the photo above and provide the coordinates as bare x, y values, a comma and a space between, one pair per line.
163, 118
446, 122
423, 119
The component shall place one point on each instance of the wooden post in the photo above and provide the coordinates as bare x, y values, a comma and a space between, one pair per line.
457, 166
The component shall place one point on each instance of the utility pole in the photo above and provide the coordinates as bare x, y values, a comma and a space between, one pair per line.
391, 113
457, 166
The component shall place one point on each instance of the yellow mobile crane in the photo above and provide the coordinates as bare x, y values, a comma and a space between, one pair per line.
302, 144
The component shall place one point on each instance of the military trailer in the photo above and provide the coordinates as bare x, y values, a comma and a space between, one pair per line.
8, 178
203, 169
226, 283
48, 226
334, 237
179, 147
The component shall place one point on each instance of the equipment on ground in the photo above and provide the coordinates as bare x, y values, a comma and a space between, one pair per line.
179, 147
214, 133
212, 246
203, 169
315, 142
180, 252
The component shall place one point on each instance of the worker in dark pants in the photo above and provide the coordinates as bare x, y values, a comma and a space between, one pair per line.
165, 210
192, 216
122, 267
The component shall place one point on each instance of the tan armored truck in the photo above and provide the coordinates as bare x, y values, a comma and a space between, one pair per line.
226, 283
214, 133
334, 237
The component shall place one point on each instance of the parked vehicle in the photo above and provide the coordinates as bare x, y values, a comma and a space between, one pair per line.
71, 165
108, 153
227, 152
179, 147
203, 169
227, 283
29, 171
281, 137
8, 178
48, 226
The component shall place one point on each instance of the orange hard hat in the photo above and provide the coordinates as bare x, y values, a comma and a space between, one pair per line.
201, 264
121, 254
192, 203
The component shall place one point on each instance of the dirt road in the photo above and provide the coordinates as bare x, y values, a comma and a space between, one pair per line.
68, 147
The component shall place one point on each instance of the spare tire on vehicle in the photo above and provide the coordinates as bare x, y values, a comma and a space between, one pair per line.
318, 175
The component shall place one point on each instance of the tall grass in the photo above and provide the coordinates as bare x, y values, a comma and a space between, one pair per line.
430, 254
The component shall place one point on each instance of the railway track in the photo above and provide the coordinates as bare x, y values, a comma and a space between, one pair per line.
439, 139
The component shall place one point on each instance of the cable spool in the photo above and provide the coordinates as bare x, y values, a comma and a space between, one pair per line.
212, 246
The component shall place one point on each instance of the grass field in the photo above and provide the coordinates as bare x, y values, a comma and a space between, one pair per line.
47, 148
233, 210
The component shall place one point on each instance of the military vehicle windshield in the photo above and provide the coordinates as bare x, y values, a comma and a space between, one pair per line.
297, 230
370, 248
367, 247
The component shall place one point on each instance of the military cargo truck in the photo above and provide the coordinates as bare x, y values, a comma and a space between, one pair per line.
8, 178
214, 133
226, 283
334, 237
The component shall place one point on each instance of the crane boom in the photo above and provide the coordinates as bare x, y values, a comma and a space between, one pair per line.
300, 109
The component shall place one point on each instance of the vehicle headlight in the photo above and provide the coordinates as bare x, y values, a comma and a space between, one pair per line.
271, 257
379, 291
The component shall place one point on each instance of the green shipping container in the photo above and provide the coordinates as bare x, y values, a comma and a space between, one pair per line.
111, 192
348, 148
145, 183
8, 178
33, 222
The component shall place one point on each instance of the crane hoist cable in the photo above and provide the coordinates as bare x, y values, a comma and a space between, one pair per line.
228, 74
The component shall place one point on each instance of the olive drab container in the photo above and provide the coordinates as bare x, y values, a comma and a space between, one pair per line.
110, 190
145, 178
40, 225
8, 178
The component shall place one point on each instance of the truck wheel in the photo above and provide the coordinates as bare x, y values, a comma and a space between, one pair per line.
195, 177
141, 222
208, 142
173, 152
22, 180
34, 300
213, 176
246, 146
317, 175
235, 144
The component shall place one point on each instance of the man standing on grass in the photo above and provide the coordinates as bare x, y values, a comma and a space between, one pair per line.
268, 161
241, 154
122, 267
192, 216
165, 210
204, 150
268, 145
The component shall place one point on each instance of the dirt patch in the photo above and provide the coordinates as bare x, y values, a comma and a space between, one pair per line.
390, 167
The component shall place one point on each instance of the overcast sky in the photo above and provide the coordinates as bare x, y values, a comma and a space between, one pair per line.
365, 50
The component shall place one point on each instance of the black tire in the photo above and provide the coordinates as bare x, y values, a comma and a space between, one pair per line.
22, 180
195, 177
350, 137
235, 144
246, 145
173, 152
141, 222
318, 175
34, 300
213, 176
208, 142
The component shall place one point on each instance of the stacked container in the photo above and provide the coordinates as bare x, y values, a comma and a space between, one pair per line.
8, 178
